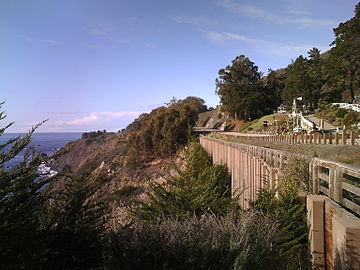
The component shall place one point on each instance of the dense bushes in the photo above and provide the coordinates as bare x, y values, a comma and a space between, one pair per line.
283, 204
40, 230
339, 116
189, 222
92, 134
179, 227
197, 242
161, 132
200, 187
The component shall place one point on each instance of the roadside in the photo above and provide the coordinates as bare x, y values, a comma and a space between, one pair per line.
347, 154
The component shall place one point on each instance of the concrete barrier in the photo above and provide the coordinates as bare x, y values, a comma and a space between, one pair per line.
334, 235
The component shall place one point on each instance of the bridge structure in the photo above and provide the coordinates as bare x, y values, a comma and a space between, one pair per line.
333, 206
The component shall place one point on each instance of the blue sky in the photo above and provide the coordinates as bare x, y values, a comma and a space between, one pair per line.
97, 64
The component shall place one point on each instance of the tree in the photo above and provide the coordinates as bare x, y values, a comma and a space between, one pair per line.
350, 118
345, 55
39, 229
298, 82
74, 226
21, 203
240, 90
197, 189
274, 83
316, 75
161, 132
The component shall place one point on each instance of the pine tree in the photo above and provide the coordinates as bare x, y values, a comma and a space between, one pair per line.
21, 203
197, 189
346, 54
241, 92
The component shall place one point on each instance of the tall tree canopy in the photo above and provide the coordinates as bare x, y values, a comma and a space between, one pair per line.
345, 55
240, 89
304, 77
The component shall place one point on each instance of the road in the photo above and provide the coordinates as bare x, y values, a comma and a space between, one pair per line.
313, 118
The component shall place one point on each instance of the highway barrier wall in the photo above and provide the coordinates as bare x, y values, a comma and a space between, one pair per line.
333, 206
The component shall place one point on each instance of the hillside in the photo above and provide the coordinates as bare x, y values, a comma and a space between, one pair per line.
103, 159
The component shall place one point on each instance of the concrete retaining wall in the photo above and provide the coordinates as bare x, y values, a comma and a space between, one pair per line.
248, 172
334, 235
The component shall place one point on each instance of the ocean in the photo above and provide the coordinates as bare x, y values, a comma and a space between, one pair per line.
47, 143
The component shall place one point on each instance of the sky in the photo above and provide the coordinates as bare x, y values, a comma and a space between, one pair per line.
97, 64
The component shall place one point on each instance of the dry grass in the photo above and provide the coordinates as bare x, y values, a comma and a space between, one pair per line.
206, 242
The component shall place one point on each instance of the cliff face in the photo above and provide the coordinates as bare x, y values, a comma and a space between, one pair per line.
218, 120
102, 159
85, 155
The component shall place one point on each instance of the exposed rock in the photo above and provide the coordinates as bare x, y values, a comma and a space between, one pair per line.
102, 159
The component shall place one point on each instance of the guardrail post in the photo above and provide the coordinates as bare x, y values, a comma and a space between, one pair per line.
315, 218
330, 138
336, 138
314, 176
324, 138
335, 184
343, 139
338, 177
353, 135
281, 163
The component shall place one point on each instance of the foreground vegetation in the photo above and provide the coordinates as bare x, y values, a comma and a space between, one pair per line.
188, 222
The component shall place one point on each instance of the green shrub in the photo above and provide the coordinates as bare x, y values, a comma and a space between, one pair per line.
341, 112
283, 204
197, 189
163, 131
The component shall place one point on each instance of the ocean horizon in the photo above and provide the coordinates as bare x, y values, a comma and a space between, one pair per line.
44, 142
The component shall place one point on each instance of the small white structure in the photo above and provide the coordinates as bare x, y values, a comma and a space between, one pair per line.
282, 109
354, 107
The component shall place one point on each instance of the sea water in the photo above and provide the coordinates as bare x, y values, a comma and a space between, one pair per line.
47, 143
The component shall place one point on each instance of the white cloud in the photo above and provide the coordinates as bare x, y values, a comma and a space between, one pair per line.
298, 12
258, 13
250, 11
93, 46
214, 36
150, 45
309, 21
268, 47
95, 117
43, 40
192, 20
51, 41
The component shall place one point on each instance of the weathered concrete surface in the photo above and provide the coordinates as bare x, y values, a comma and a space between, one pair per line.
334, 232
248, 172
315, 215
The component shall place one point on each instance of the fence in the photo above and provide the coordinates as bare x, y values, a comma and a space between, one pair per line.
247, 167
334, 233
340, 182
345, 138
